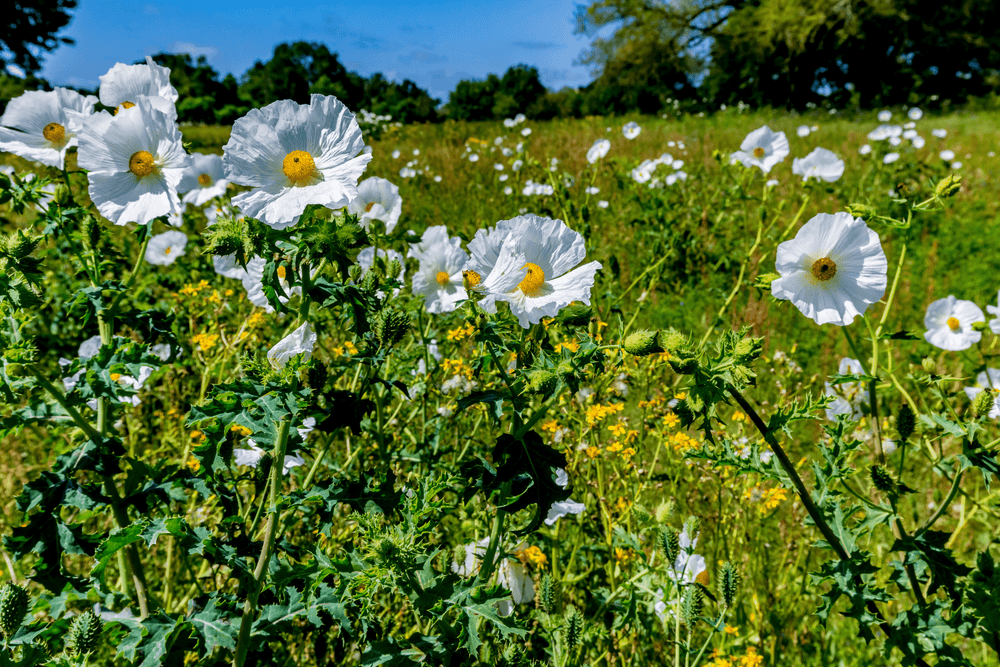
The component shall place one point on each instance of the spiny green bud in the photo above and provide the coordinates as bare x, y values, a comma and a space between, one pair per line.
948, 186
863, 211
91, 230
665, 511
83, 633
983, 403
882, 479
61, 194
683, 362
763, 280
15, 370
748, 349
262, 473
979, 326
547, 593
640, 513
541, 382
575, 316
390, 325
692, 604
729, 583
458, 555
906, 421
985, 564
354, 273
318, 374
573, 629
371, 281
669, 541
386, 550
672, 339
13, 607
643, 343
394, 269
692, 525
929, 365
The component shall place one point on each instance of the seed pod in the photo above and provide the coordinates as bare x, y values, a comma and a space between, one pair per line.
906, 421
669, 541
547, 593
390, 325
541, 382
642, 343
13, 607
948, 186
983, 403
61, 194
671, 339
573, 629
882, 480
262, 473
83, 633
729, 583
692, 604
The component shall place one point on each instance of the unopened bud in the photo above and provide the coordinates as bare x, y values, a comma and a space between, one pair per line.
15, 370
354, 273
13, 607
683, 362
84, 633
390, 325
671, 339
983, 403
573, 628
929, 365
692, 604
980, 326
863, 211
882, 479
547, 593
61, 194
906, 421
541, 382
643, 343
669, 541
728, 583
394, 269
262, 473
948, 186
665, 511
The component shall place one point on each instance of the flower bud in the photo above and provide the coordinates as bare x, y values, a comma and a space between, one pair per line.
906, 421
665, 511
262, 473
354, 273
390, 325
13, 607
948, 186
15, 370
642, 343
983, 403
980, 326
394, 269
61, 194
547, 593
728, 583
84, 633
882, 479
573, 628
671, 339
541, 382
692, 604
669, 541
863, 211
929, 365
683, 362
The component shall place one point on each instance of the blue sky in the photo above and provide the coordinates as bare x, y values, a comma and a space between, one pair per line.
434, 44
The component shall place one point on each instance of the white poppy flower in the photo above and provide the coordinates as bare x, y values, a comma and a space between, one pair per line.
136, 160
890, 158
884, 116
947, 155
534, 271
563, 507
431, 236
865, 149
251, 457
520, 118
526, 131
915, 114
439, 278
598, 150
509, 122
203, 180
762, 148
848, 396
883, 132
592, 190
918, 141
165, 248
995, 311
227, 267
771, 183
293, 155
366, 258
602, 204
631, 129
803, 131
301, 341
940, 134
124, 85
253, 283
42, 125
821, 164
949, 324
644, 171
89, 348
832, 270
988, 379
378, 199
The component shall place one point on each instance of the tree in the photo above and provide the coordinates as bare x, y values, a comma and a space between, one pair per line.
28, 29
297, 70
203, 98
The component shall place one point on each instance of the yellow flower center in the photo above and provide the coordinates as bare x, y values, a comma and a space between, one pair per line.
282, 272
533, 280
204, 180
299, 167
166, 251
141, 164
125, 105
758, 152
442, 277
369, 207
54, 132
702, 578
954, 324
824, 268
471, 278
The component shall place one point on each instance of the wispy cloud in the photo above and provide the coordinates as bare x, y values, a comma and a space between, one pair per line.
193, 49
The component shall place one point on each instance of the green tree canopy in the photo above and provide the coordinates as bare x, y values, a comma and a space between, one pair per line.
27, 29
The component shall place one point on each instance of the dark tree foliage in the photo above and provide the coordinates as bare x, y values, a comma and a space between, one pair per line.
203, 97
297, 70
27, 29
519, 90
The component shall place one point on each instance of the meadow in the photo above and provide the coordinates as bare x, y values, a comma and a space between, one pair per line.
683, 471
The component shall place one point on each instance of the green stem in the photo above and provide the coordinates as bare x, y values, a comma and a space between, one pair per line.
489, 558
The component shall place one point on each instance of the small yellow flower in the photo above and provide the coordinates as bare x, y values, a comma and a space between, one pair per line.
551, 426
681, 396
617, 430
350, 347
670, 420
628, 453
732, 630
569, 345
115, 377
240, 429
615, 447
532, 555
197, 436
461, 332
193, 464
751, 659
593, 452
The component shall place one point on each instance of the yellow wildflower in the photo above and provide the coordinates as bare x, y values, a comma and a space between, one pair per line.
461, 332
617, 430
751, 659
628, 453
670, 420
532, 555
350, 347
205, 341
193, 464
569, 345
615, 447
551, 426
240, 429
115, 377
732, 630
593, 452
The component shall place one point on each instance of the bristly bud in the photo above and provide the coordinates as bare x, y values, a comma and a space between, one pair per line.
728, 583
643, 343
671, 339
262, 473
573, 628
390, 325
13, 607
91, 230
61, 194
575, 316
948, 186
318, 374
354, 273
665, 511
929, 365
683, 362
983, 403
906, 421
547, 593
394, 269
882, 479
863, 211
541, 382
83, 633
692, 604
669, 541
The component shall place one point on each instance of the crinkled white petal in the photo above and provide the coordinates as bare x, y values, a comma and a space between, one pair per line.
26, 116
126, 83
941, 335
301, 341
378, 199
207, 164
165, 248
